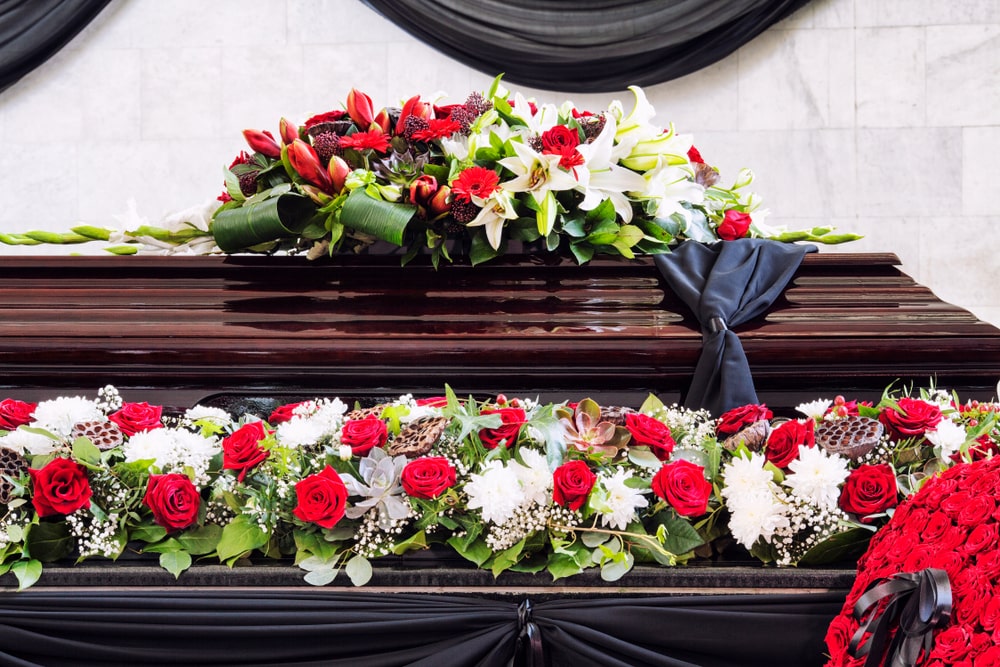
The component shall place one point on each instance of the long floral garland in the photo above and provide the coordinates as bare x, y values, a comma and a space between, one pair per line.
506, 483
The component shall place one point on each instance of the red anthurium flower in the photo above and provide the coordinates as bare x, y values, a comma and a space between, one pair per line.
306, 163
263, 143
359, 108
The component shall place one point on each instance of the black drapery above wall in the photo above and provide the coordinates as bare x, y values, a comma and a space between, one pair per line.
32, 31
588, 46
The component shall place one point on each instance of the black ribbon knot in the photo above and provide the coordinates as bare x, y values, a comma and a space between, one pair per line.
529, 637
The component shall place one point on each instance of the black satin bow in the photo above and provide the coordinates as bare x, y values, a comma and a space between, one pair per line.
917, 603
529, 637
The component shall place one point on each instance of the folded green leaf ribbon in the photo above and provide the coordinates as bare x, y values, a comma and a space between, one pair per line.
273, 218
917, 603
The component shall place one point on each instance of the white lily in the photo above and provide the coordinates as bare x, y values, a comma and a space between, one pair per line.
670, 186
608, 180
546, 116
541, 176
496, 210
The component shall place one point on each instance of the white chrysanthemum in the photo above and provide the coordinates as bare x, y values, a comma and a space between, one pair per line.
815, 409
300, 432
817, 476
621, 501
496, 492
29, 443
744, 477
534, 476
194, 447
759, 514
329, 415
948, 436
208, 413
60, 414
157, 445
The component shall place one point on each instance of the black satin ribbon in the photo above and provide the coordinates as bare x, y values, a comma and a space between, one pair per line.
917, 603
529, 637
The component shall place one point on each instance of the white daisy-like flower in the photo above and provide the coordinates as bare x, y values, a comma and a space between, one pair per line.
299, 432
534, 476
759, 514
817, 476
745, 476
620, 503
24, 442
60, 414
815, 409
948, 436
495, 491
329, 415
208, 413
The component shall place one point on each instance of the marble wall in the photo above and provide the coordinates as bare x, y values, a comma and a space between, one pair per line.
879, 116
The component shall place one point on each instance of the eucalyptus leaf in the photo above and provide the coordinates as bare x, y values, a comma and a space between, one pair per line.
359, 570
321, 577
643, 457
615, 569
593, 539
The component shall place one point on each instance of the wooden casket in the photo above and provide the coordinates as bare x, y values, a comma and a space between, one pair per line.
254, 332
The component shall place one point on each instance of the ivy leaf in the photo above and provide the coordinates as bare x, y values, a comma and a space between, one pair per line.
681, 537
49, 542
175, 562
359, 570
27, 572
201, 540
239, 537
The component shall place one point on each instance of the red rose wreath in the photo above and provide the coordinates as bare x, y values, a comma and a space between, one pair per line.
951, 526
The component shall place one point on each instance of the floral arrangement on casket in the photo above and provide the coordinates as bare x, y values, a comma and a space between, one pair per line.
494, 168
506, 483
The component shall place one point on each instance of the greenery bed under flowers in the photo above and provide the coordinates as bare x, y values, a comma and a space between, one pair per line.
506, 483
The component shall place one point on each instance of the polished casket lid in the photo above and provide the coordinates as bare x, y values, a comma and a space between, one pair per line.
181, 329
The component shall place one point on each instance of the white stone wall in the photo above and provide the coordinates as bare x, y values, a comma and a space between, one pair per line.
879, 116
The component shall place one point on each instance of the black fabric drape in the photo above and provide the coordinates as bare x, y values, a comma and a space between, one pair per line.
32, 31
588, 45
229, 628
727, 284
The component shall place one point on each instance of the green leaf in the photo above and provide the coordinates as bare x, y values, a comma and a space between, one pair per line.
616, 568
49, 542
85, 451
321, 576
27, 572
359, 570
276, 217
593, 539
506, 558
201, 540
641, 456
842, 547
91, 232
480, 250
381, 219
239, 537
474, 550
681, 537
413, 543
175, 562
148, 534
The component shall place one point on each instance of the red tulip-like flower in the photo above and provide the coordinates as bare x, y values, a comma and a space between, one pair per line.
338, 169
263, 143
383, 121
412, 107
359, 108
306, 163
289, 131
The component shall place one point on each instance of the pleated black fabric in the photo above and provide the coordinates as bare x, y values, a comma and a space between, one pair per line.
249, 629
587, 45
727, 284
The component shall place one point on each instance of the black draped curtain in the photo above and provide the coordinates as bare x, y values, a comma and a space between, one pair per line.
587, 45
32, 31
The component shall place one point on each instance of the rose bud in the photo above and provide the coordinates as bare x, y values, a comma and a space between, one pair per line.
289, 131
359, 108
439, 204
305, 161
263, 143
339, 171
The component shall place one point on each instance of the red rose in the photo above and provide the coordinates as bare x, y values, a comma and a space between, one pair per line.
977, 510
783, 442
135, 417
650, 432
951, 644
988, 658
683, 485
427, 477
242, 451
571, 484
173, 499
734, 225
869, 489
322, 498
695, 156
14, 413
363, 435
913, 418
284, 413
558, 139
733, 421
512, 418
60, 487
